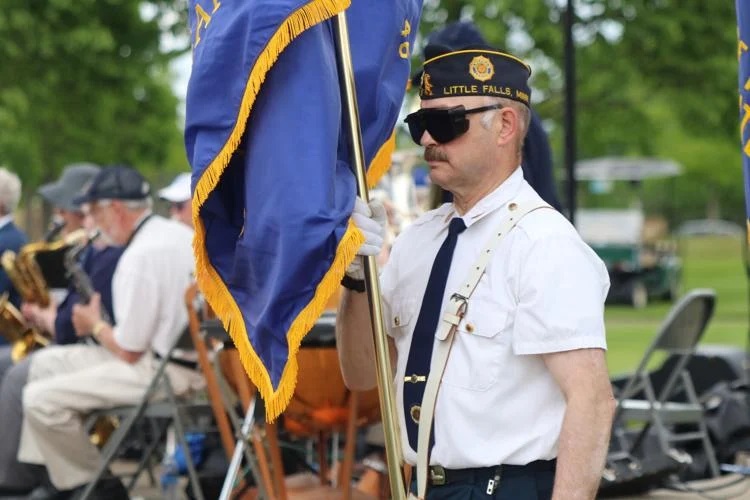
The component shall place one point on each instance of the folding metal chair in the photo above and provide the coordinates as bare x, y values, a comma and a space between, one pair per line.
674, 407
158, 403
209, 340
321, 409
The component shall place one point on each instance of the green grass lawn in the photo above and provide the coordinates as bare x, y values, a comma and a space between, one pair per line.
715, 263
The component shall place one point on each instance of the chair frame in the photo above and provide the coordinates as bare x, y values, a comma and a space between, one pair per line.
146, 407
661, 410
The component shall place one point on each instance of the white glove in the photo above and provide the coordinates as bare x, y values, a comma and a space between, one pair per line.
371, 221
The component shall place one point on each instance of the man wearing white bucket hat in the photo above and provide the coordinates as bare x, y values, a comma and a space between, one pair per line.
178, 195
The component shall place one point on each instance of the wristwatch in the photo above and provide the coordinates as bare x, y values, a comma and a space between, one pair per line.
98, 327
353, 284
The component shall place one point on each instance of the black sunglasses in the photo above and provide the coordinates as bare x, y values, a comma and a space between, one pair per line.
444, 124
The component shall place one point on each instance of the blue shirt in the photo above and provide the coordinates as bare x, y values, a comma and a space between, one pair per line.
11, 238
100, 266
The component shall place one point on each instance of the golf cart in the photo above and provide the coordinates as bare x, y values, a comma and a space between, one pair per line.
640, 268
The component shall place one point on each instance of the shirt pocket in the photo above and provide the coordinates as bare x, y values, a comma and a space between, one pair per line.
401, 317
482, 340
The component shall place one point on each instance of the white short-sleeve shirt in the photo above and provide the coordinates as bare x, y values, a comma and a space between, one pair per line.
149, 284
542, 292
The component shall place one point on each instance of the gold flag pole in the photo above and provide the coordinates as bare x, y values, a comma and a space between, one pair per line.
382, 358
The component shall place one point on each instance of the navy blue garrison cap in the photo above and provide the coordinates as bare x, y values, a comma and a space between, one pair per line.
117, 182
473, 70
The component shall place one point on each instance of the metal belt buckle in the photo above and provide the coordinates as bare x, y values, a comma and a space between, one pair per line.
437, 475
494, 483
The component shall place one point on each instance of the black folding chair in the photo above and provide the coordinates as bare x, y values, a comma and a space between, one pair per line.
673, 411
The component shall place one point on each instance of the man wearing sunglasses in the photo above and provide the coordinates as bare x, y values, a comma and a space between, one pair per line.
524, 406
537, 157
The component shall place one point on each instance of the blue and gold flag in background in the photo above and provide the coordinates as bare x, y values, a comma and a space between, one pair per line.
743, 55
273, 190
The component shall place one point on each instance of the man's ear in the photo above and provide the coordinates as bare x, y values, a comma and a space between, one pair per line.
508, 120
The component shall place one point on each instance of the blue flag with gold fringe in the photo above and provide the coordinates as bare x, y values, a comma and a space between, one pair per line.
273, 190
743, 55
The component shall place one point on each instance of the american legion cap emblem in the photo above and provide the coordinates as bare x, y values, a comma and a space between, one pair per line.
481, 68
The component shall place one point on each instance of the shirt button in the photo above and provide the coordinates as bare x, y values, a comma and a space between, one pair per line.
396, 321
469, 327
512, 206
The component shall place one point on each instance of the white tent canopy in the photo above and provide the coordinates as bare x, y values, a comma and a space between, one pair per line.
625, 169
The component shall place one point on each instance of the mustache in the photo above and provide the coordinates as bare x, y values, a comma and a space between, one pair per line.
432, 153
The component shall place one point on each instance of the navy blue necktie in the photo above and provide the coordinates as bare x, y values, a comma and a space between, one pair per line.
422, 340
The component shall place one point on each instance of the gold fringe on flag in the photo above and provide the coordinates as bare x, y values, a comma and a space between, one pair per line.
215, 290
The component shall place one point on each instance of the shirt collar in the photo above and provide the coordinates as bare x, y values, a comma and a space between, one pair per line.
5, 220
505, 192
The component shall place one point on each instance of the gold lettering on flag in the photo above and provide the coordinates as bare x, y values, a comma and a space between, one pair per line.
204, 18
404, 50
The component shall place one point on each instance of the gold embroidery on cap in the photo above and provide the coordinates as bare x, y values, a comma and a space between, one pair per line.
426, 84
481, 68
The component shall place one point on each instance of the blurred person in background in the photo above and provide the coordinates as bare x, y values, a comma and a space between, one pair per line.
98, 262
60, 195
11, 237
68, 382
177, 194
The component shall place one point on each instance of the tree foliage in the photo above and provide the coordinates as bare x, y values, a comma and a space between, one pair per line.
654, 78
85, 80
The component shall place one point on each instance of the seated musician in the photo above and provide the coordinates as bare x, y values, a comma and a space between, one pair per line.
67, 382
60, 195
99, 263
11, 237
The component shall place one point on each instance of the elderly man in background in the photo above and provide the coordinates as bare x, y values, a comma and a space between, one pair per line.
67, 216
11, 238
68, 382
177, 194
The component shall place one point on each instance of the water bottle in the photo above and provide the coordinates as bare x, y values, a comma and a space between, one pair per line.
169, 478
196, 445
170, 473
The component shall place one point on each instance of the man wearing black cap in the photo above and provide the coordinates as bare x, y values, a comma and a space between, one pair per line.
494, 305
148, 288
537, 156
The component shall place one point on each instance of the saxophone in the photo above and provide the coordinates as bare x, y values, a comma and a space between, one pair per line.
22, 338
106, 424
78, 276
26, 275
